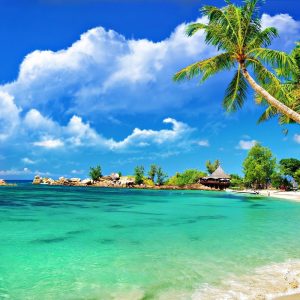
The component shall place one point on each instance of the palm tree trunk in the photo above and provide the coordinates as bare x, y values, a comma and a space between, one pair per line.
269, 98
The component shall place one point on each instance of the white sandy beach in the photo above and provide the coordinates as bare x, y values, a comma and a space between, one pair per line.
295, 196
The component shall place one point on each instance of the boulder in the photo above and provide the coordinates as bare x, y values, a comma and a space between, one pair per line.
2, 182
37, 180
115, 176
126, 181
75, 180
87, 181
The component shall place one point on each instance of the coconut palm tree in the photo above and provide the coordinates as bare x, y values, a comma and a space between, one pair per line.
291, 96
237, 33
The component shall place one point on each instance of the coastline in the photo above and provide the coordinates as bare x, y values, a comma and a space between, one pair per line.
285, 195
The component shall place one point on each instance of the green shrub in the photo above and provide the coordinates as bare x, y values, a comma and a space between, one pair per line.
190, 176
161, 176
139, 174
95, 173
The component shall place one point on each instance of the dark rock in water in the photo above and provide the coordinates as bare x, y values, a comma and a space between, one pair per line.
50, 240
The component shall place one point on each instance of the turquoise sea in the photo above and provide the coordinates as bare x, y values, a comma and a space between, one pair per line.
97, 243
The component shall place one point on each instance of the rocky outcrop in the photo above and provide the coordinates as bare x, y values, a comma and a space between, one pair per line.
2, 182
113, 181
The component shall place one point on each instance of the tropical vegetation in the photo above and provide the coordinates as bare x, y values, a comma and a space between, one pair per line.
259, 166
237, 33
190, 176
95, 173
212, 166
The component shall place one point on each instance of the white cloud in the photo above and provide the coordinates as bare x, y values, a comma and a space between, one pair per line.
203, 143
288, 28
34, 120
246, 145
28, 161
297, 138
9, 115
105, 72
49, 143
145, 137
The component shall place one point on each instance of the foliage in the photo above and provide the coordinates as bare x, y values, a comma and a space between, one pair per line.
148, 181
95, 173
211, 167
289, 166
139, 174
161, 176
278, 180
152, 172
238, 35
297, 176
291, 88
236, 181
190, 176
120, 173
259, 167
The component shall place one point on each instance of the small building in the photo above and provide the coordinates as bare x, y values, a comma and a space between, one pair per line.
218, 179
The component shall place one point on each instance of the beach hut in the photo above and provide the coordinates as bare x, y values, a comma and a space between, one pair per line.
218, 179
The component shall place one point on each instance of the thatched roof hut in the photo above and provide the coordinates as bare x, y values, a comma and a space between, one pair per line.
218, 174
218, 179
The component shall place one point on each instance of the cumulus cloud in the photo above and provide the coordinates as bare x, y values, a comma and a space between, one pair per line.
9, 115
105, 72
28, 161
297, 138
49, 143
246, 145
203, 143
288, 28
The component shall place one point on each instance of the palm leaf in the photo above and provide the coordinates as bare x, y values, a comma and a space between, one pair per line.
236, 92
206, 68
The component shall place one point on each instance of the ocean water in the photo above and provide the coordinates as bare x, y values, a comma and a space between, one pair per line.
93, 243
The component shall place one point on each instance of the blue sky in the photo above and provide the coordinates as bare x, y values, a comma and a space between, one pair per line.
90, 82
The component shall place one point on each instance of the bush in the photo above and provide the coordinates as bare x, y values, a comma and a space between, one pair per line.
139, 174
161, 176
190, 176
236, 181
95, 173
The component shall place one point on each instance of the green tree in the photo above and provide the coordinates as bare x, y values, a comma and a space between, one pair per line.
190, 176
152, 172
161, 176
95, 173
289, 166
277, 180
236, 181
291, 88
236, 31
211, 167
139, 174
259, 166
297, 176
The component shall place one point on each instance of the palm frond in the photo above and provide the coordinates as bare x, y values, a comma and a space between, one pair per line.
236, 92
193, 28
206, 68
274, 58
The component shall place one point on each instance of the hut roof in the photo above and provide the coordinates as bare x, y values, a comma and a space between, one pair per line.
218, 173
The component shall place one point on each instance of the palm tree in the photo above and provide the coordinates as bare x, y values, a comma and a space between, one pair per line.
238, 33
291, 96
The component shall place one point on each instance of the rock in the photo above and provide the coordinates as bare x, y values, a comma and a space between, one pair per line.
126, 181
2, 182
115, 176
87, 181
75, 180
37, 180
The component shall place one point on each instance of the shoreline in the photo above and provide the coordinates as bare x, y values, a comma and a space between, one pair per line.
284, 195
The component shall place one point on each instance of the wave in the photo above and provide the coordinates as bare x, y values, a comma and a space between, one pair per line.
264, 283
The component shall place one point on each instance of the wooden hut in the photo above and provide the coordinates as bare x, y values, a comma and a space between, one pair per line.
218, 179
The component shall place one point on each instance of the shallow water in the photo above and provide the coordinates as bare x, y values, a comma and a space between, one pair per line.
92, 243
